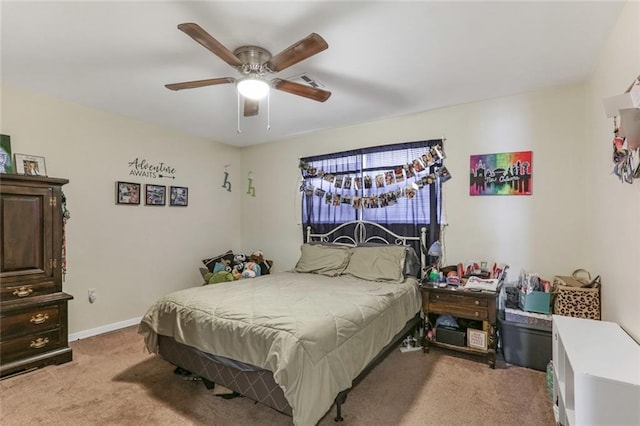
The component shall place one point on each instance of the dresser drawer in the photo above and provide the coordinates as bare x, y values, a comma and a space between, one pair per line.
26, 346
17, 291
30, 321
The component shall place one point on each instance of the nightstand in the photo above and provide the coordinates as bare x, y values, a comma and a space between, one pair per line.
457, 302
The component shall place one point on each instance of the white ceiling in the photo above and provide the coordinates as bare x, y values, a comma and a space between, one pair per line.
384, 59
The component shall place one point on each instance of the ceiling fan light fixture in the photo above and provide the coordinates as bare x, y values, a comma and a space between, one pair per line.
255, 88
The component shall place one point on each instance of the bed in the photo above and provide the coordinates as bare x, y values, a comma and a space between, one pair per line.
298, 340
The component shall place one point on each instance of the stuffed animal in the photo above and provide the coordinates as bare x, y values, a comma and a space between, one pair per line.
221, 266
237, 271
218, 277
265, 265
251, 270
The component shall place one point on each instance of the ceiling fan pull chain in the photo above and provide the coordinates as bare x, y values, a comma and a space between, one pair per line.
269, 110
238, 110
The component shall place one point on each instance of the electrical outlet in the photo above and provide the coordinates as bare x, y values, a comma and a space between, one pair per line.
92, 295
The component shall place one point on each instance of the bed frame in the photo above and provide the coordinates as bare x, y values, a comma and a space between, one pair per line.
258, 384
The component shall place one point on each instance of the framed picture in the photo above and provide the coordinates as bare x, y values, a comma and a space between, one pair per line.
127, 193
32, 165
504, 173
476, 339
179, 196
155, 195
6, 162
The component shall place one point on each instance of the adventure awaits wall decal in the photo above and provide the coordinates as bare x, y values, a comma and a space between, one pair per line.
141, 167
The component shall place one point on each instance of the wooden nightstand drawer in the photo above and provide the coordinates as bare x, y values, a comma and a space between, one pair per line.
459, 311
30, 321
26, 346
458, 299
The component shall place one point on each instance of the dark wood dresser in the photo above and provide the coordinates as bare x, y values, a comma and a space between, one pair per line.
33, 307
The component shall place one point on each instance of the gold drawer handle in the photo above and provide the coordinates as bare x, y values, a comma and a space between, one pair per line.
477, 314
40, 343
477, 302
39, 319
23, 291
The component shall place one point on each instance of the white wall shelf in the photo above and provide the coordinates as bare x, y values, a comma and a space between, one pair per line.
597, 373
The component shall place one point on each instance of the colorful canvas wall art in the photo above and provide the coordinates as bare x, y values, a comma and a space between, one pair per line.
507, 173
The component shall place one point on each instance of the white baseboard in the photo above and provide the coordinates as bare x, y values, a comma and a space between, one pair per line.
104, 329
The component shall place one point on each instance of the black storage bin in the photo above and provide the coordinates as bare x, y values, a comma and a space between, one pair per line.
451, 335
525, 345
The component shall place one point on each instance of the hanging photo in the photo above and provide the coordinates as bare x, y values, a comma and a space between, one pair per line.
367, 182
398, 174
338, 182
373, 201
346, 199
408, 170
417, 165
444, 174
388, 178
336, 200
347, 182
357, 201
438, 153
320, 192
309, 190
409, 192
380, 181
328, 197
328, 177
427, 159
357, 183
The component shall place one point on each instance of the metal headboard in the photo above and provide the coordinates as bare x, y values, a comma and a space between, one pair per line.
360, 236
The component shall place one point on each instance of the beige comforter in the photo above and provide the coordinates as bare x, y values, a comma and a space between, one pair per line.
314, 333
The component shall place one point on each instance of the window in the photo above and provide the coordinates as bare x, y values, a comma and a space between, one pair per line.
397, 186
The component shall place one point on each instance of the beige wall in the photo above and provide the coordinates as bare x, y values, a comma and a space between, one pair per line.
530, 232
614, 226
130, 254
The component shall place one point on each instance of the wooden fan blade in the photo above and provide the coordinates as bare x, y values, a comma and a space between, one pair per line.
301, 90
250, 107
199, 83
297, 52
196, 32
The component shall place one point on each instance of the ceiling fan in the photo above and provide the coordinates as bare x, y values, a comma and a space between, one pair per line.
254, 63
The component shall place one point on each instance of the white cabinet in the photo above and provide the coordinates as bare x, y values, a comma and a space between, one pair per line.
597, 373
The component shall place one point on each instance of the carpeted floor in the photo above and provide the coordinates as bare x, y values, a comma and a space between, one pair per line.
113, 381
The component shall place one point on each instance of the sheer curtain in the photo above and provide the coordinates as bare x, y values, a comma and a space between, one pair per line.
396, 185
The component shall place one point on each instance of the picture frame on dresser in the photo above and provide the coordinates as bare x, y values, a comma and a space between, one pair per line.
128, 193
31, 165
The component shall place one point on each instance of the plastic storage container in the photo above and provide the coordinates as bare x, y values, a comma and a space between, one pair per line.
525, 345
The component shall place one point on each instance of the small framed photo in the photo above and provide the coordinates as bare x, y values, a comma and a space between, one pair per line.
155, 195
179, 196
127, 193
31, 165
476, 339
6, 160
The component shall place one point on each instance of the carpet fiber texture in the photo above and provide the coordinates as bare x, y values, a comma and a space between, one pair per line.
113, 381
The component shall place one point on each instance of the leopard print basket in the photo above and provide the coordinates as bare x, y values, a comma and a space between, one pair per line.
578, 302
